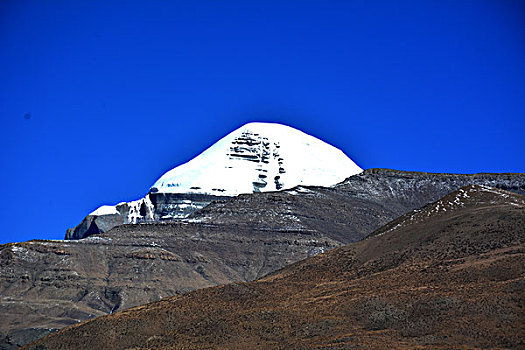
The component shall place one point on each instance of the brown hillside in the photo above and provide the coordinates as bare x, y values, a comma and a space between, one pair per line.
48, 285
448, 276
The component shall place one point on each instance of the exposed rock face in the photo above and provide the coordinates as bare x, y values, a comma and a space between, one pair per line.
155, 207
412, 187
352, 209
169, 206
238, 239
446, 276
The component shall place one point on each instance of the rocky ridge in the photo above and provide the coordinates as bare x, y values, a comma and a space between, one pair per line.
239, 239
433, 279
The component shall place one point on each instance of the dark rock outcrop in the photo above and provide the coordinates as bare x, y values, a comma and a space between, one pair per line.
155, 207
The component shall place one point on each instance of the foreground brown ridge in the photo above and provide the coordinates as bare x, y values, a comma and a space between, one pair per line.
450, 275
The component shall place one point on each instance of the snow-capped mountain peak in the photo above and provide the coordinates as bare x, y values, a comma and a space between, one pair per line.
259, 157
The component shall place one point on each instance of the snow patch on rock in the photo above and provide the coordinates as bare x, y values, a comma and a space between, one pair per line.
105, 210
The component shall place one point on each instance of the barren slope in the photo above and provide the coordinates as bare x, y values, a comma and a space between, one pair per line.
46, 285
447, 276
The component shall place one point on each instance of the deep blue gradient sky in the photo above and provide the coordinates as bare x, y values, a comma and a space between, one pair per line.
99, 98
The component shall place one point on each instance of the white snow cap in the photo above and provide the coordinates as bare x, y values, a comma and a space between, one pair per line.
105, 210
259, 157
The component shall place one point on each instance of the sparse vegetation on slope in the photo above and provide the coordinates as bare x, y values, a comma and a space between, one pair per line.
452, 280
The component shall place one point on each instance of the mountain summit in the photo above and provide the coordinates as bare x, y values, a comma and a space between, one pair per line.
257, 157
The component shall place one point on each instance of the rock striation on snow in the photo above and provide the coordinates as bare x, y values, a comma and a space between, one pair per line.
257, 157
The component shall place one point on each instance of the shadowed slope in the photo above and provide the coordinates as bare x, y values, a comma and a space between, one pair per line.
352, 209
434, 278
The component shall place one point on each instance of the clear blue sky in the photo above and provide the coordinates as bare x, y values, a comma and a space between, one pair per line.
99, 98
